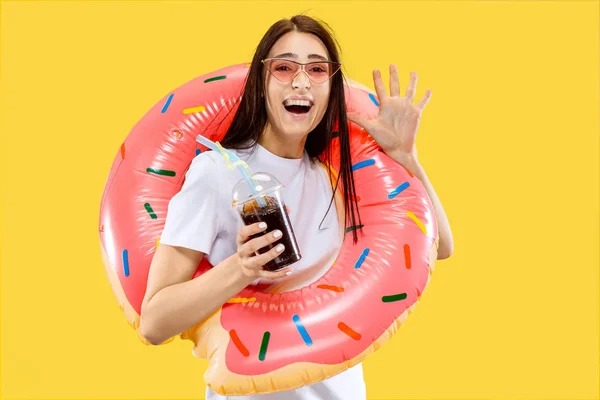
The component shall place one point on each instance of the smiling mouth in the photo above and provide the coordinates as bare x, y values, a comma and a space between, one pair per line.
298, 109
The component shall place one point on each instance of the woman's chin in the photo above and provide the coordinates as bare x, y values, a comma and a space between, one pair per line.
297, 133
296, 130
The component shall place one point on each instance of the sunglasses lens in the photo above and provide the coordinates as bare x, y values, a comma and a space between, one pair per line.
285, 71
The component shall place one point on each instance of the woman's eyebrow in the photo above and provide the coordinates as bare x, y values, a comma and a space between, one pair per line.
294, 55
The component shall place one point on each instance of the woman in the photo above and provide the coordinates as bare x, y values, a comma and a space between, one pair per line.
292, 99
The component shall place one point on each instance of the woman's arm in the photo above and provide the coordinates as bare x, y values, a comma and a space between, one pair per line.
446, 244
395, 130
175, 302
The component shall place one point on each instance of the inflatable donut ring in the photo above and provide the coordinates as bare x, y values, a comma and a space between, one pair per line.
269, 342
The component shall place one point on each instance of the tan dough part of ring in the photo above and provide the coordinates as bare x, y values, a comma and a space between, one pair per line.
211, 341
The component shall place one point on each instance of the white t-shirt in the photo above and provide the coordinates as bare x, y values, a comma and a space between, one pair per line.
200, 217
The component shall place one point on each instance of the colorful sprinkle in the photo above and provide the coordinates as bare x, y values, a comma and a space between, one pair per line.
192, 110
373, 99
123, 151
216, 78
301, 329
238, 343
335, 134
362, 257
264, 345
394, 297
409, 173
419, 223
399, 189
157, 242
148, 208
198, 151
363, 164
241, 299
164, 172
407, 256
126, 262
353, 228
349, 331
330, 287
166, 106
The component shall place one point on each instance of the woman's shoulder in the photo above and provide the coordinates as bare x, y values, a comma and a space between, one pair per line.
212, 170
212, 160
215, 160
204, 167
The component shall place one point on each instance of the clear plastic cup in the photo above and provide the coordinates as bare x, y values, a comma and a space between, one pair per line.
266, 204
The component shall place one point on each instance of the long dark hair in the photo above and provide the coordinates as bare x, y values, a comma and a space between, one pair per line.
251, 116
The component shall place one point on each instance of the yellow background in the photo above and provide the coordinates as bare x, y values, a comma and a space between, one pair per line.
509, 140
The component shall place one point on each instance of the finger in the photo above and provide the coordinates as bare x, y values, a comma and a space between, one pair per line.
252, 246
275, 274
379, 86
257, 262
412, 86
394, 82
358, 119
247, 231
425, 99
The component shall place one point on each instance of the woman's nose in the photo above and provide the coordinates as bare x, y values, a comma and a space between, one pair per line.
301, 80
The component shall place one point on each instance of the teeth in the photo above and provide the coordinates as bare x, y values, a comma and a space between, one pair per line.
305, 103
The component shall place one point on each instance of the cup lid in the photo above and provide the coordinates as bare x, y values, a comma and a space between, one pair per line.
265, 183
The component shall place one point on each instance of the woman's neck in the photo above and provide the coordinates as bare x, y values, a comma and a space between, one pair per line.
280, 145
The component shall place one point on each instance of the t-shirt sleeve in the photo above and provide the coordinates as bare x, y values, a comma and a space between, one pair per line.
192, 218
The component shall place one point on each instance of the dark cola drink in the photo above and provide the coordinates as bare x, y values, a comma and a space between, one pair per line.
276, 217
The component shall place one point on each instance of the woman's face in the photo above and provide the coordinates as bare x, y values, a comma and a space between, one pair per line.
295, 108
